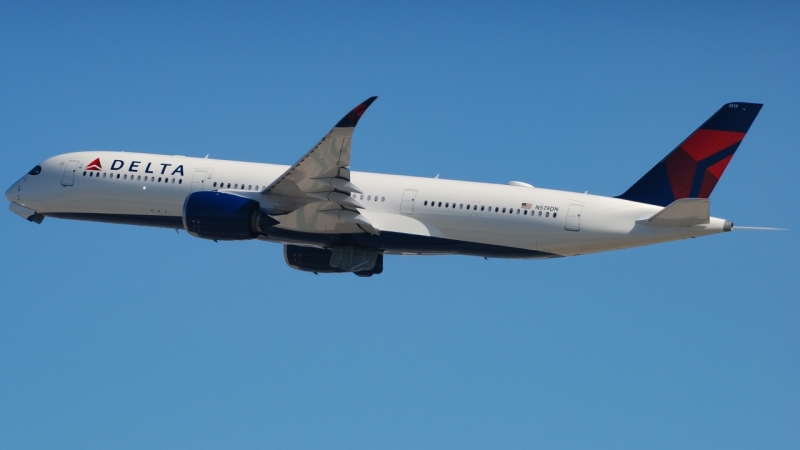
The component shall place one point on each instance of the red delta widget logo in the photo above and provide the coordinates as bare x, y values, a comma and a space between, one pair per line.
94, 165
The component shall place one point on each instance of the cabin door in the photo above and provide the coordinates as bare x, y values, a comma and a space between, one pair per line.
69, 173
574, 218
198, 181
407, 206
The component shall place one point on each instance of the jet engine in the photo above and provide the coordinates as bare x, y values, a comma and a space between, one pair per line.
364, 262
224, 217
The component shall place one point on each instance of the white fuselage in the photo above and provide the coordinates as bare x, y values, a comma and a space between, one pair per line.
151, 189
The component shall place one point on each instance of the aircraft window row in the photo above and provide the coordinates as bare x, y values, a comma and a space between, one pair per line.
236, 186
137, 177
370, 198
497, 209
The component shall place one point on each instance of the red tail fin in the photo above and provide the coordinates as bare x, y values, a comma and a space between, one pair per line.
694, 167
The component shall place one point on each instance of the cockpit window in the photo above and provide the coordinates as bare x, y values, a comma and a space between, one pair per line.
35, 171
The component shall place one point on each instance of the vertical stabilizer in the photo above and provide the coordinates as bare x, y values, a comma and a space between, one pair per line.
696, 165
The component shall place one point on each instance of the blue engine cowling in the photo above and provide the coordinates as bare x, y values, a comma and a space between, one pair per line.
224, 217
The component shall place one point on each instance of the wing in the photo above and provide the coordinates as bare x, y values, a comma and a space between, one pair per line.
317, 188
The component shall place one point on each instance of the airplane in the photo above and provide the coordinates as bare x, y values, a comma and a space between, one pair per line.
334, 220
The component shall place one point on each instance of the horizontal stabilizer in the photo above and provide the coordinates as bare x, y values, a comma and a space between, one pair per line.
684, 212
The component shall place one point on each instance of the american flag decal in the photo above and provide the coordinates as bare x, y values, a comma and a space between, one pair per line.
526, 206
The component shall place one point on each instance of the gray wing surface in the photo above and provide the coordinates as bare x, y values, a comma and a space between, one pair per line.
315, 193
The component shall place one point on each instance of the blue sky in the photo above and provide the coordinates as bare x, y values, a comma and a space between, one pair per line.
129, 337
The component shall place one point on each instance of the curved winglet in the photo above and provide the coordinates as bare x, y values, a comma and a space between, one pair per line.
351, 119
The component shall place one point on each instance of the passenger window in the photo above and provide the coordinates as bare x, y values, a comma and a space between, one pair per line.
369, 197
84, 173
426, 203
118, 176
540, 214
482, 208
518, 211
467, 207
447, 205
180, 181
547, 214
362, 197
554, 215
525, 213
250, 187
256, 187
440, 204
229, 185
383, 199
461, 206
138, 178
145, 178
215, 184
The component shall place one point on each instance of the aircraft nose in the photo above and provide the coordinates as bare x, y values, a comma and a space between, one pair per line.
10, 192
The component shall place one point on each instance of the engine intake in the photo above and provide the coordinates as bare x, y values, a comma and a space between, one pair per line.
225, 217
